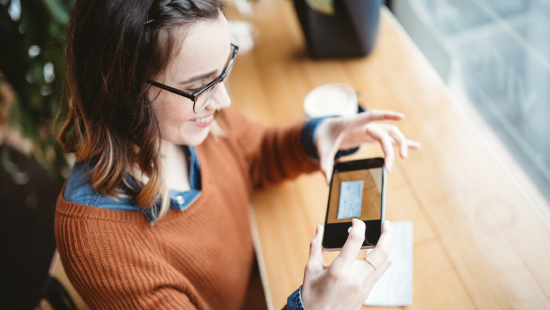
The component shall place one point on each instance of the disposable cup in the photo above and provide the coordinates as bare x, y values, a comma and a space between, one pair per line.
331, 99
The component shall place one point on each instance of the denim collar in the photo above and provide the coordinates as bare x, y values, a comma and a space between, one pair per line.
79, 190
179, 200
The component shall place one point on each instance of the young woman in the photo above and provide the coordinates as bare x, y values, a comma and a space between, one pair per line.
154, 213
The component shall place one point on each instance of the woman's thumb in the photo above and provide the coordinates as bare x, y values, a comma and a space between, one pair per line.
326, 167
316, 250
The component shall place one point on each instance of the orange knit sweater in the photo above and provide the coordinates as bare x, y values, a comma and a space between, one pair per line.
199, 258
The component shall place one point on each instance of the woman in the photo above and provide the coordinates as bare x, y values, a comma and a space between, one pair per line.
154, 213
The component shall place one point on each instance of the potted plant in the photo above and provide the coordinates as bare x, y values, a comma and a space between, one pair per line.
32, 62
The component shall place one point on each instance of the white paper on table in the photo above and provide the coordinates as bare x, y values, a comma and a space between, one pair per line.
351, 196
394, 288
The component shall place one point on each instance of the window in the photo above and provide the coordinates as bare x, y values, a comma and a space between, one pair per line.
496, 54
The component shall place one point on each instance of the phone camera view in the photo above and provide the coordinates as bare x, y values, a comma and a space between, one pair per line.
355, 194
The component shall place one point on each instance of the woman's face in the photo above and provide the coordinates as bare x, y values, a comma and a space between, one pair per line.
200, 58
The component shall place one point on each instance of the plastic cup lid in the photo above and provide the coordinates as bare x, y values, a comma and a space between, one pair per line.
331, 99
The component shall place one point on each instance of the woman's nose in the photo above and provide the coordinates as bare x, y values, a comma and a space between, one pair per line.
221, 96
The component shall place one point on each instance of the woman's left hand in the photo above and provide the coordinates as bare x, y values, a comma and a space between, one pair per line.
342, 133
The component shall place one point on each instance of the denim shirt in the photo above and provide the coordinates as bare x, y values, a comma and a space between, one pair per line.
79, 190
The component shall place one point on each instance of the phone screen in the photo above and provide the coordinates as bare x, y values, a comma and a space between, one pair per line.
355, 194
356, 191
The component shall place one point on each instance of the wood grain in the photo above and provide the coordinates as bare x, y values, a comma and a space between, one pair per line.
478, 240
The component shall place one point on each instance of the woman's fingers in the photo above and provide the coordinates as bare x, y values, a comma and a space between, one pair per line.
327, 153
316, 253
348, 132
353, 244
375, 115
385, 141
414, 144
380, 256
316, 243
399, 139
347, 282
327, 163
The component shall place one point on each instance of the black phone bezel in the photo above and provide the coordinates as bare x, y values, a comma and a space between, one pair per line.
336, 234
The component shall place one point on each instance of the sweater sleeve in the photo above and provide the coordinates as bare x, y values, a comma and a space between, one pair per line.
272, 154
108, 273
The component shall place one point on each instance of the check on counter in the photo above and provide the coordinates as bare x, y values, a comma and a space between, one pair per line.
395, 287
479, 240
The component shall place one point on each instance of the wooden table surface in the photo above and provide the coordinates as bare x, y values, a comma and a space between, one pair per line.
479, 241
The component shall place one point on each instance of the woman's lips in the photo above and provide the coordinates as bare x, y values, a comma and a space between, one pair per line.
203, 122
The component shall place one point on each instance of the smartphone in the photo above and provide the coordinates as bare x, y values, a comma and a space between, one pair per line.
357, 190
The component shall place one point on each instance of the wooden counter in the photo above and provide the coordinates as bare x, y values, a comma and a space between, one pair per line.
479, 242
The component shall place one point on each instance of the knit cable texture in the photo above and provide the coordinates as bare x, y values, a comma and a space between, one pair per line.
199, 258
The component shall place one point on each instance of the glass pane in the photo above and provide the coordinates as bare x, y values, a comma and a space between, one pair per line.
501, 49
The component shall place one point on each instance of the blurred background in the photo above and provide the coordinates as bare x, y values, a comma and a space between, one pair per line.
493, 55
32, 36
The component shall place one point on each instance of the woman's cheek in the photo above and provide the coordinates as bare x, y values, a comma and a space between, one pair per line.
173, 112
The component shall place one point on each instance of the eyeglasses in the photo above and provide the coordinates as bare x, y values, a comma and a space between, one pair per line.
201, 98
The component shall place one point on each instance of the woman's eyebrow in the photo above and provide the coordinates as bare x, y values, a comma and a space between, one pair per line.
199, 77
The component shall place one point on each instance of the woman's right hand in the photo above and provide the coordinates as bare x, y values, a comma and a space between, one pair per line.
346, 282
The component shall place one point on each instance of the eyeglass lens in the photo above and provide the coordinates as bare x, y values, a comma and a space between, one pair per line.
204, 99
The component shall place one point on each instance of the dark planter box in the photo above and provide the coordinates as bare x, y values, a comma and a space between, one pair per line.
350, 32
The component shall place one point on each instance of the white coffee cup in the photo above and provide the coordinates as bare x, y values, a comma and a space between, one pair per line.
331, 99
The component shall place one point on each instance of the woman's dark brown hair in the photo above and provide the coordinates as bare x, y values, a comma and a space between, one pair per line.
113, 47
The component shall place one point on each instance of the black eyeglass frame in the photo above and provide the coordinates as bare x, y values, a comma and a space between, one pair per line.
193, 96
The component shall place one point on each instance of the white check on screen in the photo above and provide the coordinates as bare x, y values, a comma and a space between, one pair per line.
351, 195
